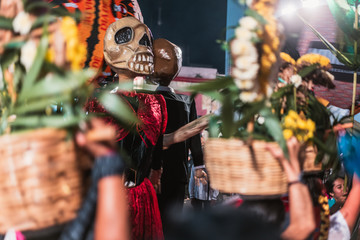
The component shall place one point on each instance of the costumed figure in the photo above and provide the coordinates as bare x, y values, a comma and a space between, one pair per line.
128, 51
181, 110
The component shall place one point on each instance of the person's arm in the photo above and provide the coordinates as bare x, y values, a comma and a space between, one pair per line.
112, 210
111, 220
351, 208
302, 221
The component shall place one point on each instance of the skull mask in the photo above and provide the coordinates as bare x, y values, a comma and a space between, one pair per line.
128, 45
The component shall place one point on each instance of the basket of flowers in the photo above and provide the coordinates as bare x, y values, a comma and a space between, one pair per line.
236, 153
296, 99
42, 92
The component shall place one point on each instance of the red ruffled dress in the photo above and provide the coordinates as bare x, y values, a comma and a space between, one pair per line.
143, 145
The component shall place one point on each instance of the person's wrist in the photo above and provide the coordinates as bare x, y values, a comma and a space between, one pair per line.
294, 177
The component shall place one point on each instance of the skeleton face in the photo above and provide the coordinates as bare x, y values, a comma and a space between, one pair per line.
128, 45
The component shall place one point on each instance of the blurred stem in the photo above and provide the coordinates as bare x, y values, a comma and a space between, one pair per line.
295, 99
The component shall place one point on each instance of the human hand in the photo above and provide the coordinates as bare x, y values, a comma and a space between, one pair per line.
97, 137
155, 179
291, 166
200, 176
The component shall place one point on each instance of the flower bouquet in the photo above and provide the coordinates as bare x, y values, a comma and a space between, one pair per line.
42, 94
295, 104
235, 154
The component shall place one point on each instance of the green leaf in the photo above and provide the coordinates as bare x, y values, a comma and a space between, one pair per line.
214, 130
339, 55
8, 57
248, 112
45, 121
273, 127
307, 70
118, 108
35, 68
344, 16
6, 23
227, 117
43, 20
56, 84
41, 104
212, 85
14, 45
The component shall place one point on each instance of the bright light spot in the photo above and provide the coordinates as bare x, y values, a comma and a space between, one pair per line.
288, 10
310, 3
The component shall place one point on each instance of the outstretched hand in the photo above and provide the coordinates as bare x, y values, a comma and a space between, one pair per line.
97, 137
291, 166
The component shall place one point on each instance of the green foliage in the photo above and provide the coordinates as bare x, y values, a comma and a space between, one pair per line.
47, 95
235, 115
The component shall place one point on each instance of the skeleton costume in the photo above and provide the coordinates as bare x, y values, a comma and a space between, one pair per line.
128, 51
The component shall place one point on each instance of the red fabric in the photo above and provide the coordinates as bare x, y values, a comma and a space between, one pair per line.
151, 111
144, 212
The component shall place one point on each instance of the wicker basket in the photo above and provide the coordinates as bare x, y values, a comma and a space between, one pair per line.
309, 160
41, 180
234, 169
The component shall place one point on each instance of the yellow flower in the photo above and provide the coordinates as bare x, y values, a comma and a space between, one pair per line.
301, 124
287, 58
310, 125
300, 138
287, 134
50, 55
289, 122
75, 52
293, 114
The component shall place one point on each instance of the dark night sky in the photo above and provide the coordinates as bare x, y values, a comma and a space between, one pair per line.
193, 25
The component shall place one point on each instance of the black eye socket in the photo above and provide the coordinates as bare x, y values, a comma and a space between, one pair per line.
124, 35
145, 41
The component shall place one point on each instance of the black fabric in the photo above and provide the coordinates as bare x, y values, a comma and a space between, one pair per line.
171, 197
181, 110
142, 155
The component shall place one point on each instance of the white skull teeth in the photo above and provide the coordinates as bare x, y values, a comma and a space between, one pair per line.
142, 63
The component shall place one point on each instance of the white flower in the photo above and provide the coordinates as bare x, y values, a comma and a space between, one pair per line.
296, 80
244, 84
244, 34
269, 91
248, 74
22, 23
245, 62
248, 96
243, 48
28, 53
249, 23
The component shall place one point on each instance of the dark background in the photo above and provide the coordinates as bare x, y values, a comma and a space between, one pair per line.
193, 25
